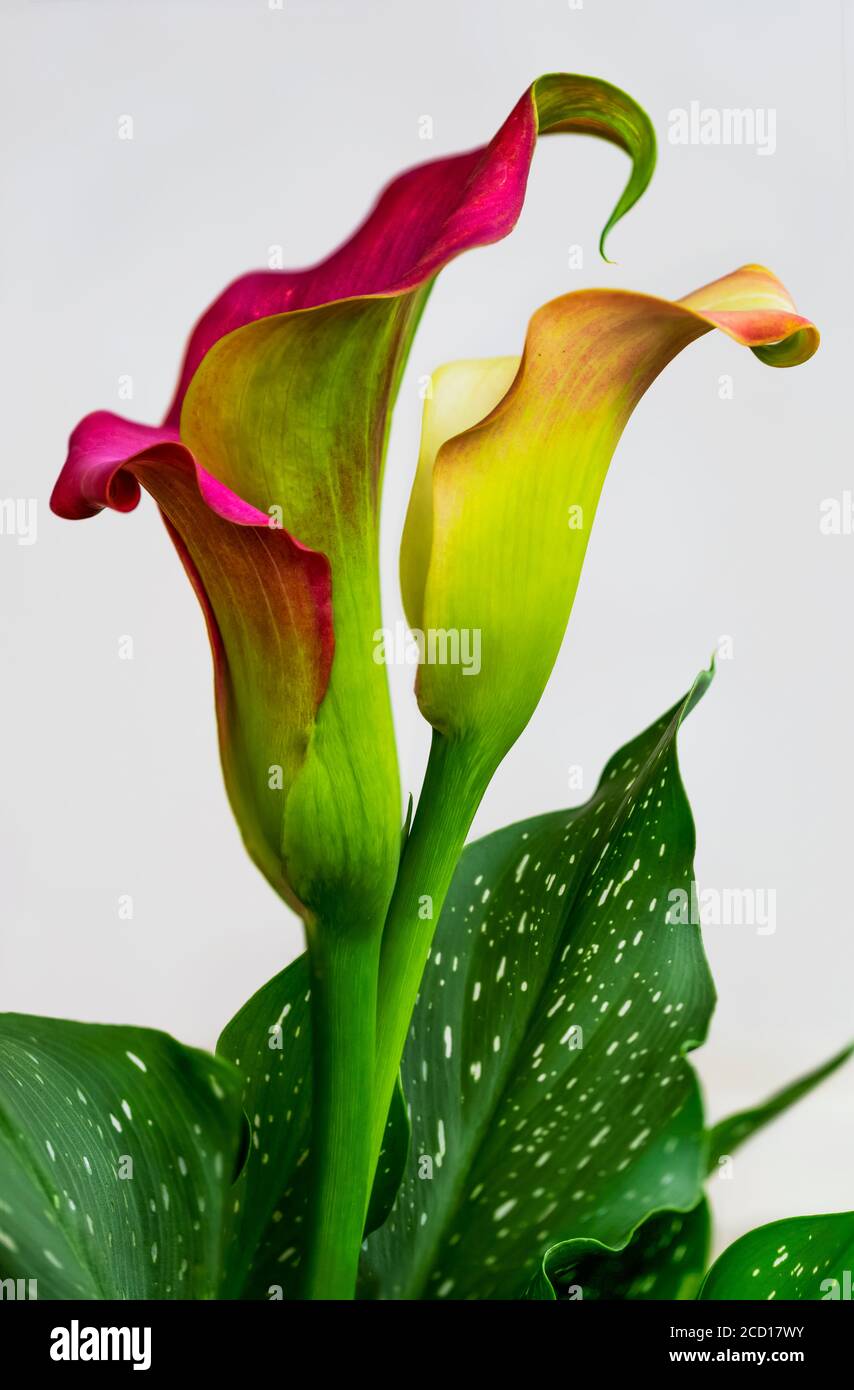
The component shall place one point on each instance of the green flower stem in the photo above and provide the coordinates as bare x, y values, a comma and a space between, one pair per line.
453, 788
344, 970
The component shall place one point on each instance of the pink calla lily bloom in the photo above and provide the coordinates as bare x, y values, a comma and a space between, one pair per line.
267, 470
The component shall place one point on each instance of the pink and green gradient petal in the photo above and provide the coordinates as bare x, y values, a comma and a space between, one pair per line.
437, 210
267, 602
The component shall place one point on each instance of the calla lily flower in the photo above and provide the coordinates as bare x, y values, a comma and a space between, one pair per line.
267, 469
514, 453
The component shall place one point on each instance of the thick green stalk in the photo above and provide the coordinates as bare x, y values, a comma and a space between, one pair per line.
454, 784
344, 971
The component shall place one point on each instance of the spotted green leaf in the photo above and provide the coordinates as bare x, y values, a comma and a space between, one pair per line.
117, 1151
728, 1134
546, 1076
269, 1042
802, 1257
665, 1258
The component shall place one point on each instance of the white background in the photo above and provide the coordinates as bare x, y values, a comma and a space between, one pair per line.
255, 127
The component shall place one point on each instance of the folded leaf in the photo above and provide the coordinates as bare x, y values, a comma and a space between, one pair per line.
545, 1069
117, 1151
284, 400
666, 1256
802, 1257
495, 544
665, 1259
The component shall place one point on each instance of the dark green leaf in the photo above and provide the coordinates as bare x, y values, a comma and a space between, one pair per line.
522, 1138
117, 1151
802, 1257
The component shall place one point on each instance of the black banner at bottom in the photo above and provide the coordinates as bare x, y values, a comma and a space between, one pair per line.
440, 1339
